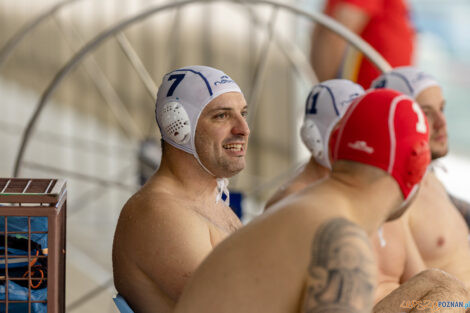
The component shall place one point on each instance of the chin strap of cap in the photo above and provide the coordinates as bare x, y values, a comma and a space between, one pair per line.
382, 241
222, 183
222, 189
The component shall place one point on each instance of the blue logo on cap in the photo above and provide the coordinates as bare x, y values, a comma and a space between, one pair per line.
223, 80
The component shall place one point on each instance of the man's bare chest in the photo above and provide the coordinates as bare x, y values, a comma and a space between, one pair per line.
437, 226
221, 220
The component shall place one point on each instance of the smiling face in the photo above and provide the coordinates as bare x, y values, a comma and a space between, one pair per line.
432, 102
222, 135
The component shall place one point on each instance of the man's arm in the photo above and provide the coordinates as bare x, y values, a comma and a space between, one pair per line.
463, 207
342, 272
327, 48
170, 243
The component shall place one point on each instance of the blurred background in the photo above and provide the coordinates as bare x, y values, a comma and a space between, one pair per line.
97, 129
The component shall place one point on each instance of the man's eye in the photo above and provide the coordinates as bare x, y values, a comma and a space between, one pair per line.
245, 114
221, 116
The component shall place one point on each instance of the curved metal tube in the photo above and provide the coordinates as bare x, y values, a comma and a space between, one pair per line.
260, 66
327, 22
99, 79
138, 66
291, 52
11, 44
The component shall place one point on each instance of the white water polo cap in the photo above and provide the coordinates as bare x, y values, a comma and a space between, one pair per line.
406, 79
326, 104
182, 96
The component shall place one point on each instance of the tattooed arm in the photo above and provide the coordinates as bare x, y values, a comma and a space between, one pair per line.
463, 207
342, 270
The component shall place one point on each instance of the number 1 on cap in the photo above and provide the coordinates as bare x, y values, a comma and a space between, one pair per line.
313, 108
178, 78
421, 125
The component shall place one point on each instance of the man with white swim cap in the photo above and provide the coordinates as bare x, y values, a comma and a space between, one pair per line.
325, 105
439, 230
311, 251
169, 226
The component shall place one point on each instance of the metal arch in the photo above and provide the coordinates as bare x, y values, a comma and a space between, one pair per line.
101, 82
325, 21
137, 64
253, 96
106, 91
11, 44
104, 88
290, 50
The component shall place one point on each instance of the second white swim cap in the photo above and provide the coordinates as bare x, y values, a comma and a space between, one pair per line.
325, 105
406, 79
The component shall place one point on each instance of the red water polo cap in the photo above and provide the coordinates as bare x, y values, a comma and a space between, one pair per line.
388, 130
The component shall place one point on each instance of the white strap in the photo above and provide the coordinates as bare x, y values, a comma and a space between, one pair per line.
383, 243
222, 188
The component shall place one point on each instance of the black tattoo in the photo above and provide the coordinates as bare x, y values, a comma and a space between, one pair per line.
341, 271
463, 207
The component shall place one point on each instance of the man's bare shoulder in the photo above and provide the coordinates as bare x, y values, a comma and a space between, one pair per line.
314, 201
293, 185
158, 211
153, 200
162, 236
284, 192
289, 201
154, 217
463, 207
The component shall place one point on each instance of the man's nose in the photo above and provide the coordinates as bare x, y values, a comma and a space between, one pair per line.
240, 127
439, 120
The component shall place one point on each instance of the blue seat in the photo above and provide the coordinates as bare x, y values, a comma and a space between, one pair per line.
121, 304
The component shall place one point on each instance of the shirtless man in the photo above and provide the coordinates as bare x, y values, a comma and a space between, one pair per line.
397, 259
397, 256
439, 230
169, 226
311, 251
325, 105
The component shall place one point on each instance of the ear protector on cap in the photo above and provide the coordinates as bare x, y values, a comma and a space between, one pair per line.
312, 138
175, 122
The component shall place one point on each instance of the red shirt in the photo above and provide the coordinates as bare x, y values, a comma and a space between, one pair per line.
389, 31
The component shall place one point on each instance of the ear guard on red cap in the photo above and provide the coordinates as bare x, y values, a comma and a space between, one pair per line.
417, 163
